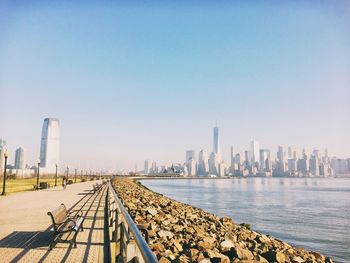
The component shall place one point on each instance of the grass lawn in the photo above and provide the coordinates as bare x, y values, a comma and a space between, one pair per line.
18, 185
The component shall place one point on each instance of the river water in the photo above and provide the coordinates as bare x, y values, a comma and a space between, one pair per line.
313, 213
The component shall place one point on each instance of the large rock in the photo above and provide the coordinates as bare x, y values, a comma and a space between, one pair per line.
242, 253
205, 245
164, 260
165, 234
158, 247
226, 245
178, 246
298, 260
273, 256
216, 256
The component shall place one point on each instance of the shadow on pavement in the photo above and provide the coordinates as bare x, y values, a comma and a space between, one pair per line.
26, 239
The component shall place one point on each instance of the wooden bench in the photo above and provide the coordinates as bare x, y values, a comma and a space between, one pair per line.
96, 187
42, 185
64, 222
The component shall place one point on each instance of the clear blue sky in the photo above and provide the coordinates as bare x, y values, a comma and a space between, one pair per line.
147, 80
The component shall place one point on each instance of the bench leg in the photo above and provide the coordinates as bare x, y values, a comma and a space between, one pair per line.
74, 240
53, 241
82, 224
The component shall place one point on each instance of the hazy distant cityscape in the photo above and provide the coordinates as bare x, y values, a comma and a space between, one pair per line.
254, 162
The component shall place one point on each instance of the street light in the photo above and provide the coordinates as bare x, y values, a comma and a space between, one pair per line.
81, 175
75, 175
37, 177
67, 173
56, 175
6, 155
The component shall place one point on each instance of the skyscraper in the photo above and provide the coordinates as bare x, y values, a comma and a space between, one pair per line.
191, 167
281, 168
203, 168
314, 166
216, 144
264, 155
232, 157
213, 164
190, 154
146, 171
289, 152
254, 152
49, 148
20, 159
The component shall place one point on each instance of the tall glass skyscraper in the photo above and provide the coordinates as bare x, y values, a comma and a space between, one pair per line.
49, 147
20, 159
254, 152
216, 145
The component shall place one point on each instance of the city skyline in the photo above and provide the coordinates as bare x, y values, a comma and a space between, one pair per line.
207, 162
131, 82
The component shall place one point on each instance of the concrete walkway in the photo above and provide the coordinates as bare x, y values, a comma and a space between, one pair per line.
24, 225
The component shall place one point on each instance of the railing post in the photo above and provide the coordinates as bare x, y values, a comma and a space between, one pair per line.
121, 240
116, 225
111, 219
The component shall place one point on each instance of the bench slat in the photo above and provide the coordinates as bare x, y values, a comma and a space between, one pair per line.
60, 215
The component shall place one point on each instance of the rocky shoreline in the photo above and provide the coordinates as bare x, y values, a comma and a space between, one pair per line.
182, 233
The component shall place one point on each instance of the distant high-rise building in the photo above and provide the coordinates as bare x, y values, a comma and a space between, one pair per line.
264, 154
316, 153
232, 157
49, 147
303, 165
2, 156
246, 160
268, 165
216, 144
281, 166
254, 152
222, 169
289, 152
213, 164
325, 157
314, 166
324, 169
340, 166
203, 167
20, 159
191, 167
154, 168
146, 170
292, 165
238, 159
190, 154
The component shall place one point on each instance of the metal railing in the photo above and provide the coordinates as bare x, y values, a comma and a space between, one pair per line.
130, 244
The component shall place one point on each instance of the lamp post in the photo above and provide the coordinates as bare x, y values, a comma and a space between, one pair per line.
75, 175
6, 155
81, 175
86, 175
37, 176
56, 175
67, 173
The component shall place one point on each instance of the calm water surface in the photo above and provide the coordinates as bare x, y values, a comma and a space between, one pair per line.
307, 212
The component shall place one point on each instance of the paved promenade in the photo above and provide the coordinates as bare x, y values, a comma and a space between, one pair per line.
25, 233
